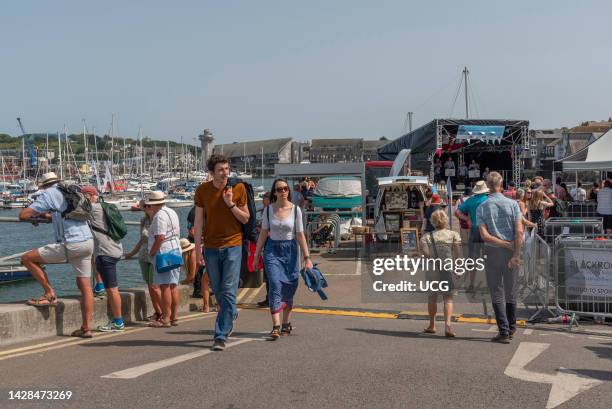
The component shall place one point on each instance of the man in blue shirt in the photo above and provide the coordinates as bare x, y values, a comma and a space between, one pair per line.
500, 223
73, 244
467, 212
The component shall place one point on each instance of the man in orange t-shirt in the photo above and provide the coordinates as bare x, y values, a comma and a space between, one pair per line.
220, 213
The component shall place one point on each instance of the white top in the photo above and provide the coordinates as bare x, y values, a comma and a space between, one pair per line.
604, 201
579, 194
165, 222
282, 229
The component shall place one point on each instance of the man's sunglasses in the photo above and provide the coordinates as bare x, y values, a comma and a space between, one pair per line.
282, 189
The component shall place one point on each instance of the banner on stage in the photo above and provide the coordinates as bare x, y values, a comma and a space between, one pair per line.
478, 132
474, 174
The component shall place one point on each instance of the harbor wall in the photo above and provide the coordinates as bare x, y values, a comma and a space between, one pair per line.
20, 322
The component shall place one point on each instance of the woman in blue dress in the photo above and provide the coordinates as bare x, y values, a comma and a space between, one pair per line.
282, 231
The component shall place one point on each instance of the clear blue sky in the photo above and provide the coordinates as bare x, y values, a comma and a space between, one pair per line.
269, 69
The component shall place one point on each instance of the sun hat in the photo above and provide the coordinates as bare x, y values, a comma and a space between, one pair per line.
156, 197
186, 245
480, 187
48, 178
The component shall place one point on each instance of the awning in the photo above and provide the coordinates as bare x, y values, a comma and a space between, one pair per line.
595, 156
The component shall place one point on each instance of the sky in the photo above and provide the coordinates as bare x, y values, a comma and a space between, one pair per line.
250, 70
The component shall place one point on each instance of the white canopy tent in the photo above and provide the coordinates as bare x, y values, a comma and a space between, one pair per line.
596, 156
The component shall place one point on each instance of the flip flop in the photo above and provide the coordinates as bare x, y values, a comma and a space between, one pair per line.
82, 333
43, 301
429, 331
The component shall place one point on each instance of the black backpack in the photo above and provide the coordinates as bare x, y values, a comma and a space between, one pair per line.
78, 207
559, 209
249, 229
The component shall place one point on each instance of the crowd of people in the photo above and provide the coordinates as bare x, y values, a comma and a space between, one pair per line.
211, 255
492, 224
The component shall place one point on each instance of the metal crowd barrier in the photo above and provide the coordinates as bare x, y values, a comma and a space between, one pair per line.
535, 281
583, 276
555, 226
581, 209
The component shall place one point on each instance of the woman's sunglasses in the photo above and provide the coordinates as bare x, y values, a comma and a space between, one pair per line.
282, 189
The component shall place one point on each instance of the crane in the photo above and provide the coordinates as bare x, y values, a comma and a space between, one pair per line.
31, 152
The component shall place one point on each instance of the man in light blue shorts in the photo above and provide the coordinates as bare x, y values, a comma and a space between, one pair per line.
73, 244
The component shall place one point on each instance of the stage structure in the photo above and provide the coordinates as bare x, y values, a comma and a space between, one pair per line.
497, 143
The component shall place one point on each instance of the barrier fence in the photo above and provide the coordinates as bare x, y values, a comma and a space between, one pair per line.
583, 276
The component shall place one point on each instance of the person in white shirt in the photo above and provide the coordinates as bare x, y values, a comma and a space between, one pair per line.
164, 235
604, 205
578, 193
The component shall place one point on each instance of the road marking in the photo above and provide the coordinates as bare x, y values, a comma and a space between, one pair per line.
565, 334
528, 331
137, 371
492, 328
600, 338
472, 320
565, 383
253, 294
346, 313
69, 341
241, 294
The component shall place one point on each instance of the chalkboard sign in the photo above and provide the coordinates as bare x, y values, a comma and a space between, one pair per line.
410, 240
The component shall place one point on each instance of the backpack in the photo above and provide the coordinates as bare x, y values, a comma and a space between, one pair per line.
249, 229
116, 227
78, 207
558, 210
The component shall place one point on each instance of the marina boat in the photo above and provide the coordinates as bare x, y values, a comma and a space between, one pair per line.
337, 193
122, 204
179, 200
15, 203
10, 274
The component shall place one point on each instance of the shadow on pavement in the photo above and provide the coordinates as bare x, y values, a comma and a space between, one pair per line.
406, 334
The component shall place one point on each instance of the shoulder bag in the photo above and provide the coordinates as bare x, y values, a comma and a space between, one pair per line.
171, 259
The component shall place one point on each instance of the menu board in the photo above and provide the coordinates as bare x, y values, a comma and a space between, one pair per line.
410, 240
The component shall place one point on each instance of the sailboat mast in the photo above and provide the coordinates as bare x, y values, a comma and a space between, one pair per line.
59, 149
112, 140
168, 156
262, 167
47, 149
465, 75
85, 140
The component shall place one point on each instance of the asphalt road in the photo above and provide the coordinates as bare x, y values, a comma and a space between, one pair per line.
329, 362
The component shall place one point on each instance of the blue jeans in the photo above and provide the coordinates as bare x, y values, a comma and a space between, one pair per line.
223, 267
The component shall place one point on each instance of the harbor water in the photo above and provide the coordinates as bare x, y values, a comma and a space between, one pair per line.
19, 237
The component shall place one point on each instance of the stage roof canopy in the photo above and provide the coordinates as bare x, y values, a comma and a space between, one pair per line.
595, 156
422, 141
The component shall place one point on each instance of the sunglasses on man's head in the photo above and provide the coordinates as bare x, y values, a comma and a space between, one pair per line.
282, 189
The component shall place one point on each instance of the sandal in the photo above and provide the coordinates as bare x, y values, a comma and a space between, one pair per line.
449, 333
429, 331
174, 323
286, 329
275, 333
160, 324
154, 317
202, 309
43, 301
82, 333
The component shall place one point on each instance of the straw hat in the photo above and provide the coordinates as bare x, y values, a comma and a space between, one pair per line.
47, 179
186, 245
480, 187
156, 197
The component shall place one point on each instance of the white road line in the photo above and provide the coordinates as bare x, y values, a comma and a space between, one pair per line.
253, 294
600, 338
358, 267
528, 331
137, 371
565, 383
492, 328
